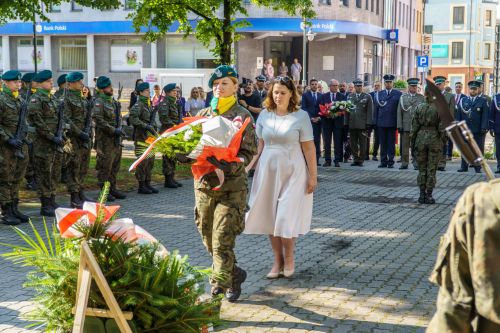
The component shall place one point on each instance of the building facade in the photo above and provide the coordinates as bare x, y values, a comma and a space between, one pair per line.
463, 39
349, 42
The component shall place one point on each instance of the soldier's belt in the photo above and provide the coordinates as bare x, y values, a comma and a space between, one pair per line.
428, 128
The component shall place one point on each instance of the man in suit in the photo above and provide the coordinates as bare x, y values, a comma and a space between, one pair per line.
494, 125
376, 88
310, 103
360, 118
474, 110
458, 97
385, 117
440, 82
333, 126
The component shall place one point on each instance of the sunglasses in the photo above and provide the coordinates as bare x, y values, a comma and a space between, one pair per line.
284, 79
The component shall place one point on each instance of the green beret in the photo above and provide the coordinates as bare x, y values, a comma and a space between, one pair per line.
61, 79
142, 86
103, 82
42, 76
74, 77
220, 72
439, 79
28, 77
413, 81
11, 75
474, 84
169, 87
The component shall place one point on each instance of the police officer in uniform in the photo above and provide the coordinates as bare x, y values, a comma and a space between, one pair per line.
474, 110
169, 111
406, 109
360, 118
143, 120
385, 117
494, 124
220, 214
261, 87
440, 82
107, 136
75, 111
13, 151
48, 143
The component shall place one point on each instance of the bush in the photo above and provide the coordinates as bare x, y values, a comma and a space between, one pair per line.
400, 84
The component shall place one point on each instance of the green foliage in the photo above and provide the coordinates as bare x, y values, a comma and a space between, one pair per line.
215, 20
177, 144
400, 84
161, 289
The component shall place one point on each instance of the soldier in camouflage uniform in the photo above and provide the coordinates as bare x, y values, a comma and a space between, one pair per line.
143, 120
439, 81
427, 139
27, 83
61, 84
406, 108
59, 96
12, 165
75, 111
169, 111
360, 118
466, 269
26, 80
220, 214
47, 144
108, 133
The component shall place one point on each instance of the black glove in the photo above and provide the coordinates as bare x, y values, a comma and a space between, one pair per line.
150, 129
84, 136
492, 133
182, 158
16, 143
118, 132
58, 141
223, 165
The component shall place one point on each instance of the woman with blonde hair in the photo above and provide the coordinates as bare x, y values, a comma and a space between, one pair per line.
281, 199
194, 103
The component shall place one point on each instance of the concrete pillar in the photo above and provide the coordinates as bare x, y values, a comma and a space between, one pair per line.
154, 56
47, 53
405, 70
5, 53
411, 66
90, 61
360, 48
398, 60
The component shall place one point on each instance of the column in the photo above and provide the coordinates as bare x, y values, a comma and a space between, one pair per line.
411, 66
6, 53
47, 53
398, 60
154, 55
360, 50
405, 70
90, 61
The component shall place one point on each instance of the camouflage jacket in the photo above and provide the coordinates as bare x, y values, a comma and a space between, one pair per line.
104, 116
466, 268
140, 117
169, 111
74, 112
42, 114
236, 178
362, 114
426, 127
59, 94
10, 107
406, 109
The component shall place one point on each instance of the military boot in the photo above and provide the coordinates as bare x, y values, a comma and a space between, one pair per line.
110, 197
239, 276
421, 198
428, 198
53, 201
24, 218
151, 188
75, 201
116, 193
47, 209
176, 182
83, 197
8, 217
143, 189
170, 182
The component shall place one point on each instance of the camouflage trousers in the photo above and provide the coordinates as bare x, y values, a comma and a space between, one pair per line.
12, 171
78, 166
358, 144
219, 217
428, 157
107, 161
30, 169
48, 162
168, 166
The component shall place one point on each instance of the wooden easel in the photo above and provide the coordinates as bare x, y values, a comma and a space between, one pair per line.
89, 268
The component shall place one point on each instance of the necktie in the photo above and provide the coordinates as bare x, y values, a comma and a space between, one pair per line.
456, 99
314, 95
334, 97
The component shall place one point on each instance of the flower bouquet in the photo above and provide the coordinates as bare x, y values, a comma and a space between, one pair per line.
336, 109
199, 138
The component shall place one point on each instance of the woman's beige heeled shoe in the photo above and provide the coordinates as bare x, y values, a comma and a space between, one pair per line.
288, 273
273, 275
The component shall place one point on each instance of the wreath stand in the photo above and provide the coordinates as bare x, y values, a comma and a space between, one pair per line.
89, 268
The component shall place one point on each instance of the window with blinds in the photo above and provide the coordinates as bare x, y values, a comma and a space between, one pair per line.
73, 55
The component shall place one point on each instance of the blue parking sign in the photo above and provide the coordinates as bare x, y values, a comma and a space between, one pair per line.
423, 61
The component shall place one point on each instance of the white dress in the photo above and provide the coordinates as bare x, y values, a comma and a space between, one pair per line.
279, 205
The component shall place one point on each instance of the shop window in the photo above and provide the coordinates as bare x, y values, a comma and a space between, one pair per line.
126, 55
188, 53
73, 54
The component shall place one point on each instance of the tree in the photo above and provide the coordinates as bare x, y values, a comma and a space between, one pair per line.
215, 19
27, 10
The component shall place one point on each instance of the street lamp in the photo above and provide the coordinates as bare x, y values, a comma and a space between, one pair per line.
307, 36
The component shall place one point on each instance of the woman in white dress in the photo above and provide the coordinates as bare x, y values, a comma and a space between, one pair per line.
194, 102
281, 199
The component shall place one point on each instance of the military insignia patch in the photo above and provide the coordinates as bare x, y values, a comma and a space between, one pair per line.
218, 73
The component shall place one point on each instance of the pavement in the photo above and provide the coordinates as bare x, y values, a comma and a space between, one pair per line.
364, 266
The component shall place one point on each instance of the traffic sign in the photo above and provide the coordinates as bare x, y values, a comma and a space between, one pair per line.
423, 61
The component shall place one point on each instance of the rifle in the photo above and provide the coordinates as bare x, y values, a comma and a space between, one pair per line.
22, 126
88, 122
60, 122
118, 115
